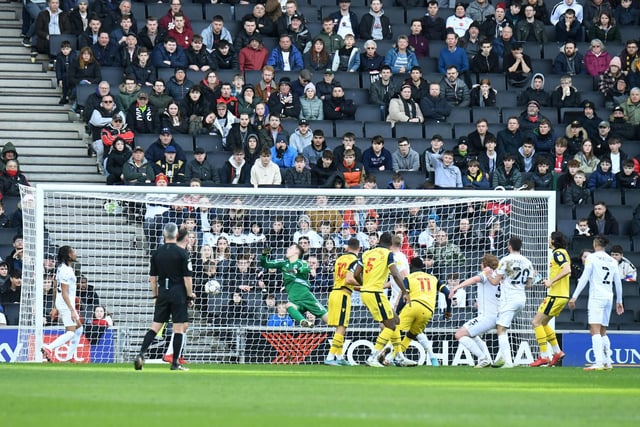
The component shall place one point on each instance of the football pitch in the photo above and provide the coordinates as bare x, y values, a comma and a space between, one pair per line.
318, 395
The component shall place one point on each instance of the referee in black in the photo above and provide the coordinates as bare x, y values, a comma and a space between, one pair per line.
170, 277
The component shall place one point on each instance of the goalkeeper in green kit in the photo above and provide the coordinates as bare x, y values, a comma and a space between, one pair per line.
295, 274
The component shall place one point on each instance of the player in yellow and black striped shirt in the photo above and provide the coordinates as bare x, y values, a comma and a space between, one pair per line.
347, 277
557, 297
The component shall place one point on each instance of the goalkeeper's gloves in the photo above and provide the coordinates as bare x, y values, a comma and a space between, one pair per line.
266, 251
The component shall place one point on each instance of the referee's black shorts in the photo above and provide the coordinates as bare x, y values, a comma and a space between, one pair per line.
171, 304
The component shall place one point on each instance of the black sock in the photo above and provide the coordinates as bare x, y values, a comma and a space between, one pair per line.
148, 339
177, 346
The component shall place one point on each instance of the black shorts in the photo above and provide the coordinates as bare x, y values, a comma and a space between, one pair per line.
171, 304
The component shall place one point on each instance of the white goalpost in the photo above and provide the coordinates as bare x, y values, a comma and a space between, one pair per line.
236, 317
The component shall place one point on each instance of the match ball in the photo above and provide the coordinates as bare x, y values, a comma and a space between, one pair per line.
212, 287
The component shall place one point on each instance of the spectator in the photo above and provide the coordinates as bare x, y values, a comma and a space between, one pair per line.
284, 103
78, 18
507, 176
433, 26
470, 42
525, 160
224, 57
301, 137
483, 95
626, 269
337, 107
141, 69
347, 58
11, 178
105, 51
351, 171
290, 9
588, 161
605, 28
101, 317
616, 155
49, 22
566, 179
318, 57
455, 90
283, 155
64, 60
453, 56
89, 36
431, 154
535, 92
597, 59
489, 159
569, 60
418, 42
298, 175
375, 25
542, 177
601, 221
138, 170
236, 170
214, 33
178, 86
559, 158
142, 117
152, 34
247, 100
447, 174
602, 177
517, 65
403, 108
458, 22
377, 158
620, 126
167, 21
474, 178
280, 318
443, 256
107, 113
85, 70
324, 170
383, 89
199, 167
530, 28
502, 44
265, 172
128, 51
631, 107
127, 93
628, 178
569, 28
118, 156
174, 119
10, 297
169, 55
435, 106
370, 61
9, 152
561, 8
311, 107
299, 33
285, 56
531, 117
156, 150
15, 257
405, 158
486, 60
170, 167
401, 58
344, 19
626, 13
478, 137
494, 25
254, 55
577, 193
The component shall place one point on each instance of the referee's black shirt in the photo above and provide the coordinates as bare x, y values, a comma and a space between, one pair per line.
170, 262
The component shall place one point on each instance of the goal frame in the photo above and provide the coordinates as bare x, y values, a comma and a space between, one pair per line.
35, 239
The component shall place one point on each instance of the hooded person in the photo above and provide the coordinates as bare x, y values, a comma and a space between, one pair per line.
535, 92
9, 152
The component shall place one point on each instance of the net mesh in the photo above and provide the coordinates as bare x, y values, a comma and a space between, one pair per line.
114, 230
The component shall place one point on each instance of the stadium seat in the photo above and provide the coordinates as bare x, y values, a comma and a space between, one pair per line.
83, 92
325, 125
428, 64
445, 130
357, 95
184, 141
584, 83
544, 66
114, 75
533, 49
190, 10
310, 13
241, 10
569, 114
227, 75
139, 11
491, 114
459, 115
369, 113
623, 240
383, 178
55, 40
498, 82
200, 24
409, 130
435, 46
222, 9
463, 129
211, 143
372, 129
627, 319
217, 158
347, 80
145, 140
610, 196
631, 196
636, 247
414, 179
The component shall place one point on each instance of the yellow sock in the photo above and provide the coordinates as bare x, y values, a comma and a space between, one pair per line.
396, 341
336, 344
404, 344
541, 337
551, 336
383, 339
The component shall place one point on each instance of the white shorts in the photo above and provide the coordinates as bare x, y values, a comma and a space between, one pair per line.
64, 314
481, 324
599, 311
509, 310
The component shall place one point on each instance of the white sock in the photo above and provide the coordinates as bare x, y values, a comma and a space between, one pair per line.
606, 347
598, 349
426, 344
331, 356
184, 341
505, 348
483, 346
170, 349
471, 345
62, 339
73, 344
556, 349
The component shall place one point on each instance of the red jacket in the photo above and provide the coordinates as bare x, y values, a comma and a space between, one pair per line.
251, 59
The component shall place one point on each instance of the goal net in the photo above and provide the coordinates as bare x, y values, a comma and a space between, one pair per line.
237, 317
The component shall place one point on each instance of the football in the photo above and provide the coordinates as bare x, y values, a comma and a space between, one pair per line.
212, 287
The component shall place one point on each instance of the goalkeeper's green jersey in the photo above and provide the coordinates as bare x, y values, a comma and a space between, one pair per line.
293, 273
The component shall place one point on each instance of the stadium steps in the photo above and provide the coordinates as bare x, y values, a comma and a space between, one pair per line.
48, 139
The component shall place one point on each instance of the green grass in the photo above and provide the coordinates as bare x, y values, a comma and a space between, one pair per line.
303, 396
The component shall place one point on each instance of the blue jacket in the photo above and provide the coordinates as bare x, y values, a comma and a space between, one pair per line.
600, 179
372, 162
392, 55
177, 59
277, 61
287, 160
458, 58
106, 56
155, 152
479, 182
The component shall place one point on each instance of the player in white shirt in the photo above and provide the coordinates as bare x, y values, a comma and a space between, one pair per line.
488, 303
601, 271
65, 304
514, 273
